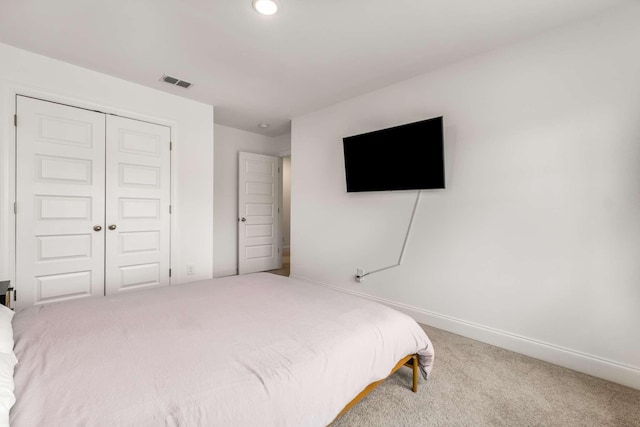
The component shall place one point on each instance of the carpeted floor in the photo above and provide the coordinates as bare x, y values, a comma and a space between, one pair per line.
476, 384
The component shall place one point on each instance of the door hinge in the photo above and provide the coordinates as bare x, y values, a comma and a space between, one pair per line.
169, 272
169, 209
15, 120
170, 146
15, 294
15, 208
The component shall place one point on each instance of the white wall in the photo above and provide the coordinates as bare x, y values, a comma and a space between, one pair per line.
192, 159
535, 243
229, 142
286, 201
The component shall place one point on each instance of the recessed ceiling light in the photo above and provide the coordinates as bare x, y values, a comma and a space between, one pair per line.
265, 7
263, 125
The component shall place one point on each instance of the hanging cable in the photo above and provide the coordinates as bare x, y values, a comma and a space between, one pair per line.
361, 275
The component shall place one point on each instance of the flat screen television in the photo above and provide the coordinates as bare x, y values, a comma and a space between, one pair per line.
406, 157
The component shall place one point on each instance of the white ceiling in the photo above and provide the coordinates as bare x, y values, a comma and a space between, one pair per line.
256, 69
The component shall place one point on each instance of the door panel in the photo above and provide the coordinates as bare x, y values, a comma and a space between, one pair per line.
52, 286
258, 200
60, 198
137, 198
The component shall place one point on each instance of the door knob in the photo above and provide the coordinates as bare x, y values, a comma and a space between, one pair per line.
97, 227
243, 219
112, 227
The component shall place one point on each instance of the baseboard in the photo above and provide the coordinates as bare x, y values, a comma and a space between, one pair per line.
225, 273
568, 358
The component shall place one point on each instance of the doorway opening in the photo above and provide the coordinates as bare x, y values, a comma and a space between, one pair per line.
285, 218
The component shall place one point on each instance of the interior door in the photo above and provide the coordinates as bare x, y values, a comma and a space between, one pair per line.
137, 199
60, 177
258, 222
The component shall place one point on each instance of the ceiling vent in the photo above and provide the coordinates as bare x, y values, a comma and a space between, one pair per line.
175, 82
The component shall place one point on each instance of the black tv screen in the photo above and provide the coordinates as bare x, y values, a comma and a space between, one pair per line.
406, 157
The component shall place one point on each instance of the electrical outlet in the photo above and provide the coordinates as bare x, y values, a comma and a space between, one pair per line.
360, 275
191, 269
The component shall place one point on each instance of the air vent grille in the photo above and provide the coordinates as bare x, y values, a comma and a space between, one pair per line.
175, 82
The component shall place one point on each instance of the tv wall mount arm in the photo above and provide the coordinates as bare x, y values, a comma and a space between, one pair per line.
361, 274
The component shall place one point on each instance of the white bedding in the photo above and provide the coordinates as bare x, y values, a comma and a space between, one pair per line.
240, 351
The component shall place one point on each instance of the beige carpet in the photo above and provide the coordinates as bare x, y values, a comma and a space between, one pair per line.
476, 384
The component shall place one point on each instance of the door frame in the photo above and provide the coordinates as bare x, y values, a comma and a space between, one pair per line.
282, 157
8, 141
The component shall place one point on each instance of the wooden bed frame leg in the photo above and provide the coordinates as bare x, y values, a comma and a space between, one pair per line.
415, 373
409, 361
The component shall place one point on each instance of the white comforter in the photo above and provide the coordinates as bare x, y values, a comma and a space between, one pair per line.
240, 351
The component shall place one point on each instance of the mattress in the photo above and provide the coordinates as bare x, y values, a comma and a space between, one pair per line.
248, 350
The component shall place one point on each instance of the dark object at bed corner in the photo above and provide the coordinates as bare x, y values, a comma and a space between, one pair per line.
4, 288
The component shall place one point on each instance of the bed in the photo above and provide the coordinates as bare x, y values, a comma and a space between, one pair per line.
243, 350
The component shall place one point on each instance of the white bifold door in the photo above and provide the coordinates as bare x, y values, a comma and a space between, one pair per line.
258, 210
60, 202
92, 203
138, 199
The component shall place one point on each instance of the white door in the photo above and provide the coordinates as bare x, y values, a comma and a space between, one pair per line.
137, 201
258, 222
60, 176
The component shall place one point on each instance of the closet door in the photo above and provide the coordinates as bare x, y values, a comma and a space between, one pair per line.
60, 181
138, 197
